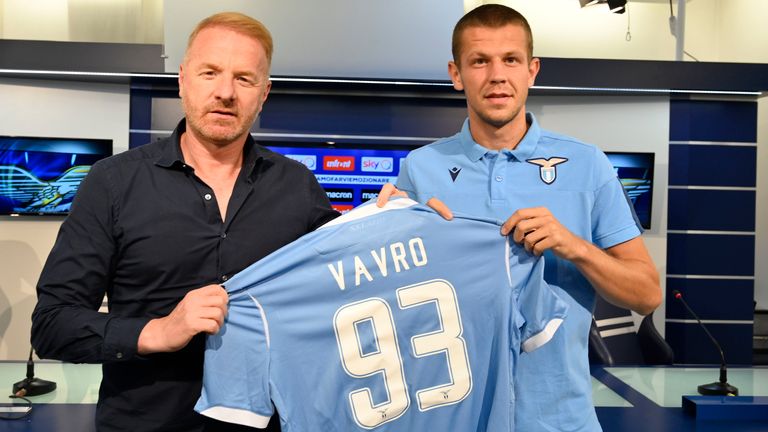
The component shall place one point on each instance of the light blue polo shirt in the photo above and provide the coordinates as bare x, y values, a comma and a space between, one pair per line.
578, 184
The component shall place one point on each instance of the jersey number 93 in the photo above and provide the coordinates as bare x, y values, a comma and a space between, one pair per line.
387, 361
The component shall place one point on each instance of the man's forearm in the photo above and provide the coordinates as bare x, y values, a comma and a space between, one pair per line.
624, 275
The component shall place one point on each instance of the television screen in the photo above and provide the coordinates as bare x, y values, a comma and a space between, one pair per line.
635, 170
40, 176
349, 175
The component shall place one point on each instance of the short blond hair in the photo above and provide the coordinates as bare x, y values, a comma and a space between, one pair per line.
239, 23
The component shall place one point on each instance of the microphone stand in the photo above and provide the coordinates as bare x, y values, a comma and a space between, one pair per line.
717, 388
31, 386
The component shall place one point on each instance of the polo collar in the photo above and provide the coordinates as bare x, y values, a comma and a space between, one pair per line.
523, 151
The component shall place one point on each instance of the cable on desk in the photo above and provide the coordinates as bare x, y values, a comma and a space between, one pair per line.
16, 411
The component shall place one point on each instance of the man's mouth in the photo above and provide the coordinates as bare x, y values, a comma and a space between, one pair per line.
224, 113
498, 96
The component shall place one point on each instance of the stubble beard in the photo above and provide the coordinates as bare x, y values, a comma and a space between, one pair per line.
218, 133
500, 120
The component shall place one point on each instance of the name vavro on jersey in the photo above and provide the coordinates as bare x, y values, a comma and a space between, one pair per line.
397, 257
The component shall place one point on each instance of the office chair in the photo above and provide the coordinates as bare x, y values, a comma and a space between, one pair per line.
615, 340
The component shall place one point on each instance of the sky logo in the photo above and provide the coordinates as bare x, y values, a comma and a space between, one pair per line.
309, 161
339, 163
377, 164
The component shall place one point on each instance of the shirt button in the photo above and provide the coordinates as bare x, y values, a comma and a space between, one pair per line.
119, 355
223, 235
207, 197
224, 278
499, 178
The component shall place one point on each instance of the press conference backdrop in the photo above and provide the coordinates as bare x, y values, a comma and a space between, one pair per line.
705, 152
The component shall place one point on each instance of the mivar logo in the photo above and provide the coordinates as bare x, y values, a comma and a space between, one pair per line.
377, 164
339, 163
309, 161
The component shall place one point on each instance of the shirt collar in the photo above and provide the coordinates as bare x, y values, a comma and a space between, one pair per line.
171, 156
523, 151
473, 150
527, 145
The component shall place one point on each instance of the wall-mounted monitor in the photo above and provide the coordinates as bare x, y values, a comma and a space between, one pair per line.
635, 170
349, 174
40, 176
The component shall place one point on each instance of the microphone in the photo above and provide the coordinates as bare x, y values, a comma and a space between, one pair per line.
717, 388
31, 386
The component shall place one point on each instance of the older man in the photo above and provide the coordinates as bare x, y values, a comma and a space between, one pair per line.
158, 227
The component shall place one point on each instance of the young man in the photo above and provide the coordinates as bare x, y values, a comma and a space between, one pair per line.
558, 196
158, 228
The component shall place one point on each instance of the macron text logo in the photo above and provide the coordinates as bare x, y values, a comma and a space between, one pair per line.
376, 164
339, 163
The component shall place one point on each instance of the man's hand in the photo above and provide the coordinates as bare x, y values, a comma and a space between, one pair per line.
538, 230
389, 190
201, 310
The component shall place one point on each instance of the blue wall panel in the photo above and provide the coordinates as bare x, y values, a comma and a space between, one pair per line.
711, 165
140, 117
714, 165
712, 299
697, 120
691, 344
725, 255
691, 209
323, 114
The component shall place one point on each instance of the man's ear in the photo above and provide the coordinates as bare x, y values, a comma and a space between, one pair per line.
181, 78
533, 70
453, 72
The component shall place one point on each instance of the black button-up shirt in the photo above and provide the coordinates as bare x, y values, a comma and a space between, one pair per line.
145, 230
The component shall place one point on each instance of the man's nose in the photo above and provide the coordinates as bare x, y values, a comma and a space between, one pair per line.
497, 71
225, 88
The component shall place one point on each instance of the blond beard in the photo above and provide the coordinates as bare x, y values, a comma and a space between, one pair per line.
212, 132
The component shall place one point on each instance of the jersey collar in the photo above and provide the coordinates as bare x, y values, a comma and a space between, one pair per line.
524, 150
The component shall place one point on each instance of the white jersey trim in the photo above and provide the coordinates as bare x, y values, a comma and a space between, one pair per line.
536, 341
238, 416
370, 209
263, 318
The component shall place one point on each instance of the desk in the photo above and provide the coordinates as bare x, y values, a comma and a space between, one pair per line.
71, 407
655, 394
628, 399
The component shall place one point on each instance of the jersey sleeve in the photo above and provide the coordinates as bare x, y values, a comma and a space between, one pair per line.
236, 379
613, 216
540, 310
404, 182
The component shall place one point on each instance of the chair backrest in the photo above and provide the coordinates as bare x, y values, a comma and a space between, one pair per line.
614, 338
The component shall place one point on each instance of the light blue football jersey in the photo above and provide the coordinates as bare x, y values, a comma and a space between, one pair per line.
577, 183
386, 319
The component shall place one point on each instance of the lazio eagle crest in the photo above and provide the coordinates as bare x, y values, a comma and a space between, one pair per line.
547, 170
